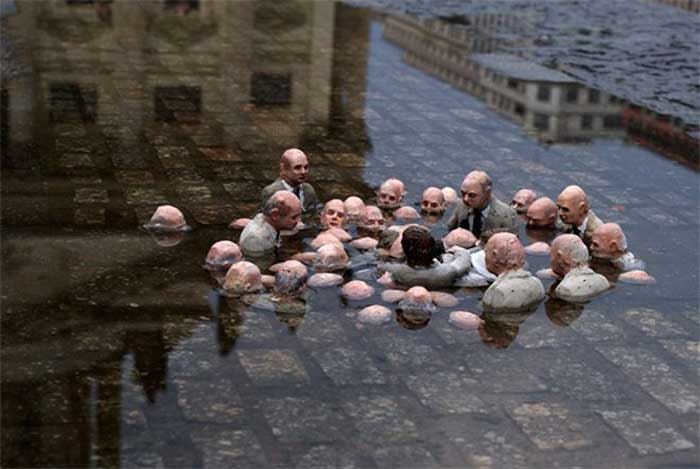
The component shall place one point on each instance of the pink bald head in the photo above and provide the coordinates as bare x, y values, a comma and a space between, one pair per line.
567, 252
391, 193
372, 219
419, 295
242, 277
573, 205
433, 201
608, 241
330, 258
504, 253
353, 207
222, 255
333, 214
459, 237
283, 210
294, 166
522, 200
167, 218
542, 213
476, 189
451, 196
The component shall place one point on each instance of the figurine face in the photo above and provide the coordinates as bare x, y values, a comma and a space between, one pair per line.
353, 207
288, 217
522, 200
372, 219
572, 207
542, 213
473, 193
333, 214
390, 194
433, 201
294, 167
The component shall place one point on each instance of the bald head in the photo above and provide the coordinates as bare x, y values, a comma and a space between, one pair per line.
476, 189
294, 166
522, 200
459, 237
608, 241
504, 253
568, 252
282, 210
573, 205
542, 213
433, 201
390, 194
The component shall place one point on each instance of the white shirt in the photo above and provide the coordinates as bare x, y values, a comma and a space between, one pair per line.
291, 189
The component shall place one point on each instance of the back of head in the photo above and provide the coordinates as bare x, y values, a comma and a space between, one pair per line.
542, 213
418, 245
504, 253
482, 178
568, 251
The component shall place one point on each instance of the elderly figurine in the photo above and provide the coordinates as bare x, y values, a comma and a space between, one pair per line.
575, 214
481, 212
415, 309
569, 261
331, 258
333, 214
353, 208
390, 194
522, 200
459, 237
372, 219
290, 279
515, 288
167, 219
450, 194
609, 245
542, 214
282, 211
222, 255
433, 201
242, 277
294, 169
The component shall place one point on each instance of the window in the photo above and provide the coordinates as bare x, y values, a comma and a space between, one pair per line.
571, 94
543, 93
71, 102
612, 121
541, 122
177, 103
593, 96
586, 122
271, 88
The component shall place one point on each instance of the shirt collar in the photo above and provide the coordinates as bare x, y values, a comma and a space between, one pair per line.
583, 225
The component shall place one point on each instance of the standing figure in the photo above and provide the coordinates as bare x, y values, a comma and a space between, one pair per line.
294, 169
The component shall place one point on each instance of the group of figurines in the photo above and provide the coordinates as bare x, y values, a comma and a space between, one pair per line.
394, 241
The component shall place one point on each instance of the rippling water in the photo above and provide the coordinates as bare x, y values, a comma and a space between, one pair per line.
116, 351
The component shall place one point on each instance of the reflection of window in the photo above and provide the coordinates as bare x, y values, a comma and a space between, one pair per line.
182, 6
543, 93
174, 103
4, 121
587, 122
541, 122
571, 94
593, 96
271, 88
70, 102
512, 83
519, 109
612, 121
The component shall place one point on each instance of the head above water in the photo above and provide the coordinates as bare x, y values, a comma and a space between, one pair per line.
567, 252
542, 213
333, 214
222, 255
476, 189
167, 218
608, 241
418, 246
290, 279
241, 278
282, 210
504, 253
459, 237
522, 200
354, 207
331, 258
372, 219
391, 193
433, 201
294, 167
573, 205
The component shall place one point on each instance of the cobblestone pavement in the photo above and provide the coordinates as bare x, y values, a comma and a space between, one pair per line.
116, 354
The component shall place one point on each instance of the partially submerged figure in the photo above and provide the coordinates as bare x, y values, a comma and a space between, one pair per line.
353, 208
390, 194
515, 288
522, 200
372, 220
242, 278
569, 261
293, 172
331, 258
609, 245
282, 211
576, 215
433, 201
222, 255
459, 237
290, 279
168, 226
542, 225
333, 214
415, 309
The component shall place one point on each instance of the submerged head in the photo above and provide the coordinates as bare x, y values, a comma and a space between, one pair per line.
522, 200
542, 213
608, 241
567, 252
504, 253
282, 210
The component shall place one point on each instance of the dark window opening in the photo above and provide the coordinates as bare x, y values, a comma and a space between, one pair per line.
70, 102
271, 88
177, 103
543, 93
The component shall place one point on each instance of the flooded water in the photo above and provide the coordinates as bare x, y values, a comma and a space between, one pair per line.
117, 351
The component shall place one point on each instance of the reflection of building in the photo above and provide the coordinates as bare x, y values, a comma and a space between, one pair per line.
663, 134
546, 102
690, 5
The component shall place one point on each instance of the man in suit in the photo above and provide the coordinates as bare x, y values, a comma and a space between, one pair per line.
282, 211
294, 169
578, 219
481, 212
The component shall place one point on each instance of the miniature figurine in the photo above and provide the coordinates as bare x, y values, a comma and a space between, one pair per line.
243, 277
459, 237
374, 314
391, 194
333, 214
357, 290
282, 211
576, 215
372, 219
542, 213
522, 200
331, 258
433, 201
222, 255
293, 170
570, 263
608, 243
167, 219
353, 208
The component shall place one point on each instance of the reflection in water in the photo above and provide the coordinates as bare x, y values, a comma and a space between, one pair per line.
562, 313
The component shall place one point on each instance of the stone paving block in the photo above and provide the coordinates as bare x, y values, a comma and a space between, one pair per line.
89, 215
145, 196
212, 214
134, 177
654, 323
221, 447
90, 195
347, 366
655, 376
505, 373
184, 176
380, 419
195, 194
405, 456
551, 426
185, 364
173, 157
403, 350
128, 159
76, 160
220, 154
209, 401
327, 456
254, 327
446, 392
581, 381
544, 334
306, 420
273, 367
596, 326
320, 330
645, 433
688, 350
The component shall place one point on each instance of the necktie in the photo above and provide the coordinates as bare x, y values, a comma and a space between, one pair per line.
476, 223
297, 192
575, 230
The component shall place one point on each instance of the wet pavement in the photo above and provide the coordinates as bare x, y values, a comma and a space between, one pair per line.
116, 351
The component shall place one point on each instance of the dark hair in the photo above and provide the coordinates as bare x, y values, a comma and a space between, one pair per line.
418, 245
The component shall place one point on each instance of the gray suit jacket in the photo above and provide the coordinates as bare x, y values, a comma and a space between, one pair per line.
501, 217
311, 201
591, 225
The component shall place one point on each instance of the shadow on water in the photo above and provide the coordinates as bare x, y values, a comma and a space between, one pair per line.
118, 352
